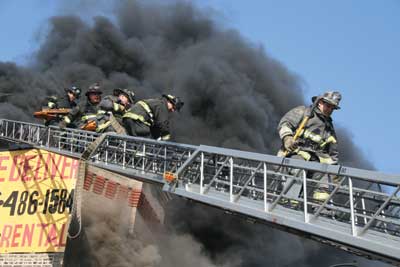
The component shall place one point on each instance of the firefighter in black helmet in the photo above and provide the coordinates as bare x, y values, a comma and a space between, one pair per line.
71, 97
68, 101
85, 111
150, 118
115, 105
119, 102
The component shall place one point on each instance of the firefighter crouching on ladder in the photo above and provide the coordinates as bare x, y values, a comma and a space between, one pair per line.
113, 107
150, 118
61, 104
316, 142
84, 115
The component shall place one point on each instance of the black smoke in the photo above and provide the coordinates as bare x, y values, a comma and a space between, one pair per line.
234, 93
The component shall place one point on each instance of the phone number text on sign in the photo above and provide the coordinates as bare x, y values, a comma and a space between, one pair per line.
25, 202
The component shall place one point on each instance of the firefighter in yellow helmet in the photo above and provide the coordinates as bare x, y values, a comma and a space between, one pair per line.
150, 118
317, 141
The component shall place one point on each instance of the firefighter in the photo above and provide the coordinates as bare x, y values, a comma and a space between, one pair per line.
150, 118
317, 141
84, 115
71, 97
68, 101
115, 105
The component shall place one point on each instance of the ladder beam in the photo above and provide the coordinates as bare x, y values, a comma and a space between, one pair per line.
362, 210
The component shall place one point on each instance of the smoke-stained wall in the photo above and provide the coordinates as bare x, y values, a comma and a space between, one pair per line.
234, 95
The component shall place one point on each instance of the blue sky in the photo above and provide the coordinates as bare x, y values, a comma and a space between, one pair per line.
346, 45
350, 46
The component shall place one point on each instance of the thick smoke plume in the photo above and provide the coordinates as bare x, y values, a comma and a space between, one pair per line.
106, 241
234, 96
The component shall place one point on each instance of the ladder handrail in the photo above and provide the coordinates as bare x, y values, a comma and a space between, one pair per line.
247, 183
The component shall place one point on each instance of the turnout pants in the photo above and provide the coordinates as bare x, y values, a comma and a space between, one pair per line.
137, 128
293, 188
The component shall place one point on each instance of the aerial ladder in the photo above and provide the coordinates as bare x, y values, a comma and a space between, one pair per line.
361, 214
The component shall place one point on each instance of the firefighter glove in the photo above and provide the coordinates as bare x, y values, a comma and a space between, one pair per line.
289, 143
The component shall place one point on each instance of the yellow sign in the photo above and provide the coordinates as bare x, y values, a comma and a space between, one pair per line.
36, 192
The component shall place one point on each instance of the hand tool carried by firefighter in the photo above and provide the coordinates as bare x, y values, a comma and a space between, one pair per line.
51, 114
307, 115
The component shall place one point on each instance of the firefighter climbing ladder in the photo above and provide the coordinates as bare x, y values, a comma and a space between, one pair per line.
361, 215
